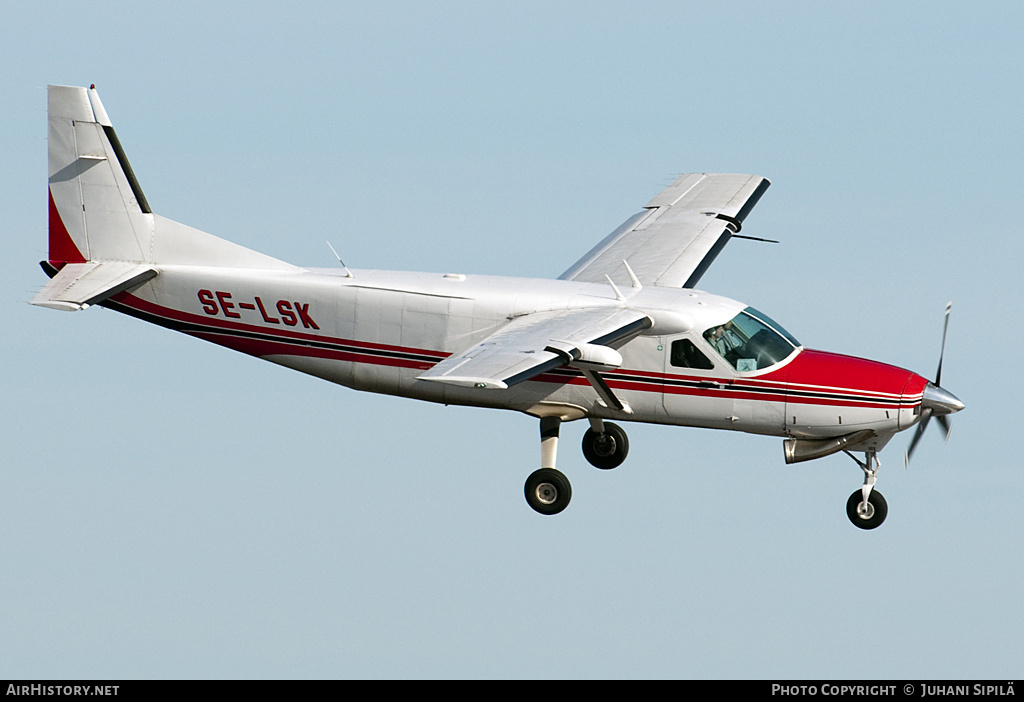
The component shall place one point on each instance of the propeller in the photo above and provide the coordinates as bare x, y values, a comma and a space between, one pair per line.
936, 402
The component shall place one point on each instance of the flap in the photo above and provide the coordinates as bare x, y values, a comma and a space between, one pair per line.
532, 344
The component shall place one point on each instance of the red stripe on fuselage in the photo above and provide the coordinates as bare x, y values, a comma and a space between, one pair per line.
262, 348
175, 315
814, 380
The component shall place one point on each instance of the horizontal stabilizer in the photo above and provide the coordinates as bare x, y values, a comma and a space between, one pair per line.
79, 285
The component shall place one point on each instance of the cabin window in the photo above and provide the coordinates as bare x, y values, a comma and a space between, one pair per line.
751, 341
685, 355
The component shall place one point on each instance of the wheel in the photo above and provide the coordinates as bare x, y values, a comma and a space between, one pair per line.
548, 491
607, 450
867, 515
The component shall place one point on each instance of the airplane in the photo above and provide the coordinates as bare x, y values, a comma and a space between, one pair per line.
623, 334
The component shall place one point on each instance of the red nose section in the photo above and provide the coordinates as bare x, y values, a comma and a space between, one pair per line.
819, 377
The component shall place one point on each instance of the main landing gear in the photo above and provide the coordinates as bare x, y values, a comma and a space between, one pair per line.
548, 490
606, 446
866, 508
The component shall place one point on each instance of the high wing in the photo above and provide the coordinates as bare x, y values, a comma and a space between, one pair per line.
678, 234
534, 343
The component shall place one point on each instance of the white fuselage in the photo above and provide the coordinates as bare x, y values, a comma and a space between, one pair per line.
378, 330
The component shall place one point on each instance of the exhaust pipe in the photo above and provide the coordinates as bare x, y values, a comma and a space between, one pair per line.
798, 450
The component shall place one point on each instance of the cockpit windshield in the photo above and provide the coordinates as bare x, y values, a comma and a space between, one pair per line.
751, 341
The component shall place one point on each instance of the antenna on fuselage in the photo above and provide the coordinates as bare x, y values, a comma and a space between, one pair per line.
632, 275
348, 273
615, 288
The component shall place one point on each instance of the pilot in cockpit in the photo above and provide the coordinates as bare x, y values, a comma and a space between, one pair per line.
724, 339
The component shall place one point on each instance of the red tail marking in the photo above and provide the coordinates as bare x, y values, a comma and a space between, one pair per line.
62, 248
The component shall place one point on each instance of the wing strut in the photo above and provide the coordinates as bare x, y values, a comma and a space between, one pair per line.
605, 392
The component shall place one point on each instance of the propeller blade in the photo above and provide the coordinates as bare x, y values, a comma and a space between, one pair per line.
926, 415
935, 401
942, 349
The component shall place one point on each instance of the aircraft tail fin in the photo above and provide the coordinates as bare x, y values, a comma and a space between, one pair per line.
97, 210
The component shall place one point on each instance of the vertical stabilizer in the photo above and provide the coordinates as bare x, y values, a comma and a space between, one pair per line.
97, 210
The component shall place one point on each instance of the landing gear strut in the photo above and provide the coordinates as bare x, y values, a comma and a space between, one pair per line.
547, 490
866, 508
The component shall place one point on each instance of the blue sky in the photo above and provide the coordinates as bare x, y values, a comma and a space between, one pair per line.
173, 509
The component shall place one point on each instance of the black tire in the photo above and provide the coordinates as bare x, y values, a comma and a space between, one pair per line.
548, 491
868, 518
607, 450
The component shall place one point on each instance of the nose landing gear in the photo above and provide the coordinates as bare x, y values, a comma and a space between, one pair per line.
866, 514
866, 507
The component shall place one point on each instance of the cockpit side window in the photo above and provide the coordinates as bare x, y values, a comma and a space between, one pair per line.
685, 354
751, 341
